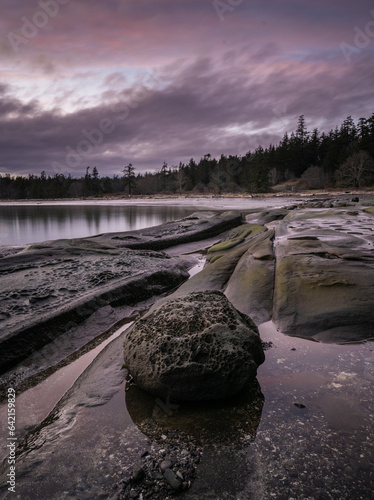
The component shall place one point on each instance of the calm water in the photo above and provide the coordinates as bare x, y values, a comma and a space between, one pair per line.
20, 224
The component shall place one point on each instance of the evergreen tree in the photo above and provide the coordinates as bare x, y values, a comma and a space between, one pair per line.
129, 177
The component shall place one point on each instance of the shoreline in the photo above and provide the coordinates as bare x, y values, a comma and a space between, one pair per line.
111, 269
192, 197
271, 453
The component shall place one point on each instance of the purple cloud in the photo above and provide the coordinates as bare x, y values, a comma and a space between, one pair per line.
151, 81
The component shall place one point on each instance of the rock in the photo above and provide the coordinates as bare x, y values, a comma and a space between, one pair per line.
165, 464
250, 287
96, 278
195, 347
268, 216
109, 269
221, 261
138, 475
197, 226
323, 279
172, 479
299, 405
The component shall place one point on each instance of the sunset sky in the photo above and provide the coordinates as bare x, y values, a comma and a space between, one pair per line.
105, 83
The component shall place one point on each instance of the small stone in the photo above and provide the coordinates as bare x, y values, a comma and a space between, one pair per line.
138, 475
299, 405
165, 464
133, 494
172, 479
185, 485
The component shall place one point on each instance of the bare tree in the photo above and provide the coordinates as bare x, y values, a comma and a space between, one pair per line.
180, 178
164, 174
313, 178
357, 171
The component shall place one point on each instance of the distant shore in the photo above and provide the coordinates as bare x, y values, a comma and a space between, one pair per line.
204, 196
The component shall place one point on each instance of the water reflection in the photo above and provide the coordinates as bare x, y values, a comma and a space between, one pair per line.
231, 421
20, 224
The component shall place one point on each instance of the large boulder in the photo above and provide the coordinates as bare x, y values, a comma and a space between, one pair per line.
196, 347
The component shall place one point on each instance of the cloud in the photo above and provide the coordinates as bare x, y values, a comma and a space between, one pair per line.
175, 81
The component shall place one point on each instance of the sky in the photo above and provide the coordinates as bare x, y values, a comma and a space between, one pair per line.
108, 83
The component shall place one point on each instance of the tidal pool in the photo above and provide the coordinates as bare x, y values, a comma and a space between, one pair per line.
305, 431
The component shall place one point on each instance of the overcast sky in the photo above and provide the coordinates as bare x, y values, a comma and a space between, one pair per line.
105, 83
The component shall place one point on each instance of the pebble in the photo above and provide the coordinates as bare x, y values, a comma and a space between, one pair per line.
165, 464
172, 479
299, 405
164, 471
138, 475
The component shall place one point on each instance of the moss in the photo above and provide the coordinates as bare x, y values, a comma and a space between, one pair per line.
214, 258
257, 228
225, 245
369, 210
240, 232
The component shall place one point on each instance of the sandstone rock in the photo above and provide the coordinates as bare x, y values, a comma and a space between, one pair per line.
197, 226
268, 216
50, 288
109, 269
250, 287
324, 282
221, 262
194, 348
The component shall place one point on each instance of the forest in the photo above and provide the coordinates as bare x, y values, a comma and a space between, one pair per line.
303, 160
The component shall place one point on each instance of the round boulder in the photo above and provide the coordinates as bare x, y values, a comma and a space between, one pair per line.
195, 347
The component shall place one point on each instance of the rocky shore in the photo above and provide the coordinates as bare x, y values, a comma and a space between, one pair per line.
309, 268
48, 288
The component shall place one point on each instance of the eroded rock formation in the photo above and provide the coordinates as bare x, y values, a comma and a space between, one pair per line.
196, 347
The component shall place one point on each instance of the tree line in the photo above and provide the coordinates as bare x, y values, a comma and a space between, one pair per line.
304, 159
